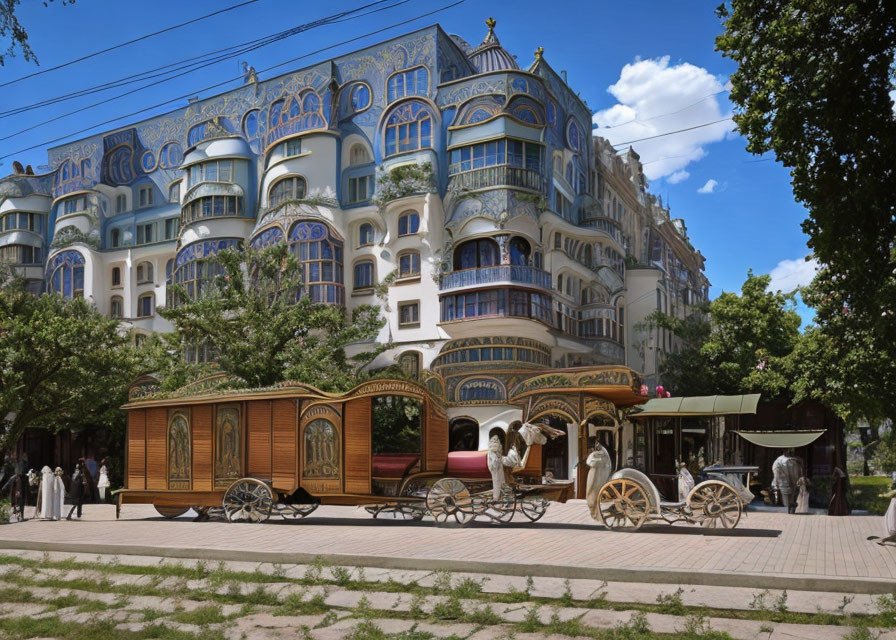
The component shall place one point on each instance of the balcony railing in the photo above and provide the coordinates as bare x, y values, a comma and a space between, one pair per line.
503, 175
512, 273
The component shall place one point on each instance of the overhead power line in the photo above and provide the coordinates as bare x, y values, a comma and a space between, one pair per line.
229, 80
332, 19
670, 133
129, 42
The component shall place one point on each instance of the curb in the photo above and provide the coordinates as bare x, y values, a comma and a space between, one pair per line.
610, 574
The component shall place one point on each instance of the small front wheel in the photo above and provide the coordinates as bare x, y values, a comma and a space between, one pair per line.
248, 500
450, 503
715, 504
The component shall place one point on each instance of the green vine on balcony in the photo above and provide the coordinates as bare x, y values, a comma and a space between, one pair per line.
404, 180
70, 235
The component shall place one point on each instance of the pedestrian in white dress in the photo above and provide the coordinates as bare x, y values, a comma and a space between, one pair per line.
802, 500
103, 482
47, 494
59, 491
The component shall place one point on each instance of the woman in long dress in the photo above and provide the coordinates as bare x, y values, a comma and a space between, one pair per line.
103, 482
59, 490
839, 505
802, 501
47, 493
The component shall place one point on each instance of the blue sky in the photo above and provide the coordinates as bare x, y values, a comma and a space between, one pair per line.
658, 56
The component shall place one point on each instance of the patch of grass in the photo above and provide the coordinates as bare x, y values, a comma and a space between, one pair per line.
886, 608
94, 605
53, 627
149, 614
860, 633
483, 615
315, 571
671, 602
342, 576
295, 605
467, 588
866, 492
209, 614
442, 582
449, 609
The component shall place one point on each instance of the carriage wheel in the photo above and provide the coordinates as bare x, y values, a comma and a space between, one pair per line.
715, 504
533, 509
450, 503
169, 511
501, 510
248, 500
623, 505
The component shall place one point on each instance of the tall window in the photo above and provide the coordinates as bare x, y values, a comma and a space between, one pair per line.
409, 314
74, 205
171, 226
365, 234
520, 251
472, 254
410, 363
145, 305
115, 238
66, 271
289, 188
169, 267
358, 155
363, 274
174, 192
144, 273
408, 264
409, 128
116, 307
414, 82
145, 233
408, 223
290, 148
145, 196
212, 171
320, 253
360, 188
121, 203
116, 276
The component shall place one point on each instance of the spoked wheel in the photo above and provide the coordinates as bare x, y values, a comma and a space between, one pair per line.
170, 512
450, 503
248, 500
715, 504
623, 505
296, 511
500, 511
533, 509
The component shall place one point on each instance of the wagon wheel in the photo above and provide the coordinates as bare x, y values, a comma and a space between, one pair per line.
533, 509
170, 511
623, 505
248, 500
450, 503
715, 504
501, 510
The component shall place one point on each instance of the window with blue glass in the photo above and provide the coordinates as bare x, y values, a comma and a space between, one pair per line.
363, 274
408, 264
145, 305
360, 189
480, 389
520, 251
73, 205
496, 302
24, 221
413, 82
359, 97
320, 253
288, 188
474, 254
67, 274
408, 223
365, 234
409, 128
517, 153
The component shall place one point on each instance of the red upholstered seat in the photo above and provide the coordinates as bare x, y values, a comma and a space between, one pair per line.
467, 464
393, 465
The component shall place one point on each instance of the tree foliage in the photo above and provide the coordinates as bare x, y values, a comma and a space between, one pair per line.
62, 364
263, 331
813, 85
737, 344
13, 30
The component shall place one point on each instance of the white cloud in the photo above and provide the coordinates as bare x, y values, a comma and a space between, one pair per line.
709, 187
790, 274
655, 98
678, 176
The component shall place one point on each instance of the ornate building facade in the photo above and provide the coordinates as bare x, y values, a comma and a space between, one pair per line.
512, 240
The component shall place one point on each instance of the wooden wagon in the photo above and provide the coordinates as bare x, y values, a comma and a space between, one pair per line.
287, 449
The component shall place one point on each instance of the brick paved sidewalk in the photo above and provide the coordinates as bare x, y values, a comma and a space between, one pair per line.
767, 550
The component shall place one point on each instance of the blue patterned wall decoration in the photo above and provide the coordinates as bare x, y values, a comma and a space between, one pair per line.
204, 249
267, 238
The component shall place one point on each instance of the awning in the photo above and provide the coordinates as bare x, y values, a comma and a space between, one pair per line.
781, 439
698, 406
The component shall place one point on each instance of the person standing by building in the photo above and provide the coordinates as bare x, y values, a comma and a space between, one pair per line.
82, 487
839, 505
786, 471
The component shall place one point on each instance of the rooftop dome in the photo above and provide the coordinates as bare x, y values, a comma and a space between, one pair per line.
490, 55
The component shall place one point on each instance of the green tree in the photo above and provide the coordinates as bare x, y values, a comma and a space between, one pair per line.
738, 344
263, 331
62, 364
813, 86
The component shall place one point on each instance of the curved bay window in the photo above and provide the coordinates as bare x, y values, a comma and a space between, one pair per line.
288, 188
66, 271
473, 254
212, 207
409, 264
409, 128
496, 303
320, 253
197, 277
498, 162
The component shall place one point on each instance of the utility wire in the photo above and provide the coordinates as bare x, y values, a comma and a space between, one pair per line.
197, 62
219, 84
340, 17
124, 44
669, 133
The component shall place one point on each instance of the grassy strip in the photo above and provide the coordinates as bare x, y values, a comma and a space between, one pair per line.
53, 627
465, 588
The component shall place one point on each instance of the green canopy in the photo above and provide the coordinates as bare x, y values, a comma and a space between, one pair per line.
698, 406
781, 439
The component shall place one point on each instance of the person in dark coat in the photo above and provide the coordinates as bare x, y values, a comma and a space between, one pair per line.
839, 505
82, 488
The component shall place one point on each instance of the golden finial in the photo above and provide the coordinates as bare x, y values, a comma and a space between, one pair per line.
490, 23
539, 52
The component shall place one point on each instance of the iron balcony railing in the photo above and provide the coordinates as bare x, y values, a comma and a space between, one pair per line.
512, 273
503, 175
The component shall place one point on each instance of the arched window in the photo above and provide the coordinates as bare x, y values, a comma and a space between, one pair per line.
321, 459
66, 271
358, 155
520, 251
320, 253
365, 234
408, 223
144, 273
179, 458
408, 83
288, 188
409, 128
408, 264
116, 276
169, 267
473, 254
146, 305
480, 389
363, 273
359, 97
588, 258
116, 307
410, 363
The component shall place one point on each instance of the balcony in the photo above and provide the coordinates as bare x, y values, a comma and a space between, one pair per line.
499, 274
503, 175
